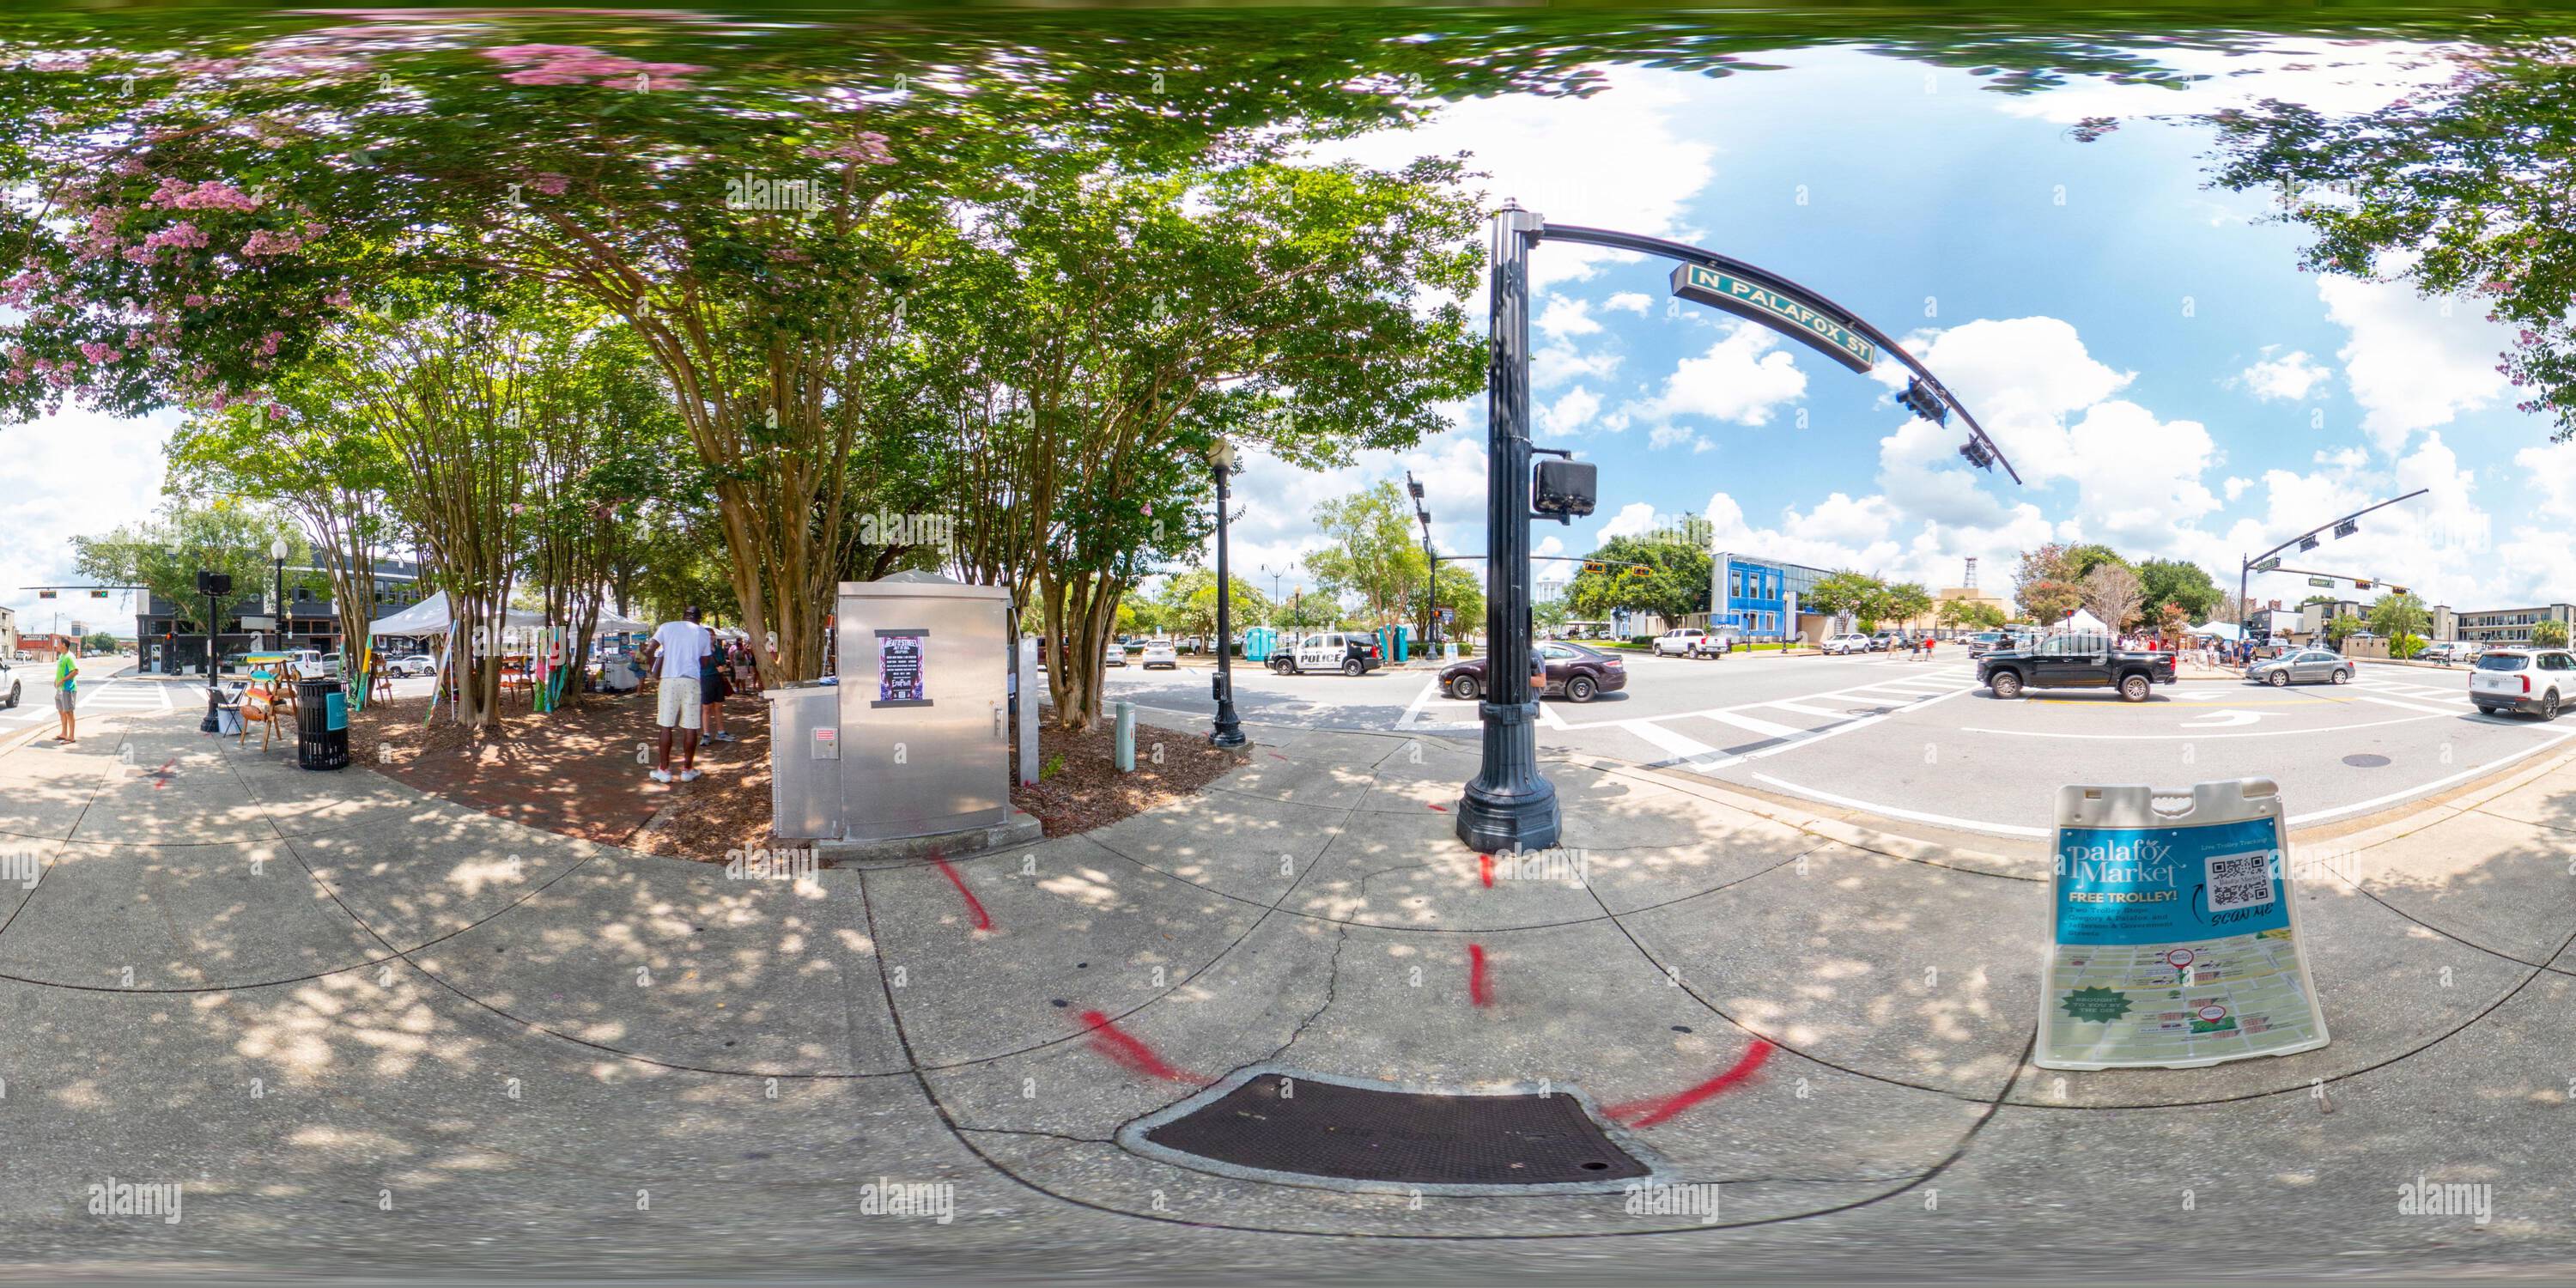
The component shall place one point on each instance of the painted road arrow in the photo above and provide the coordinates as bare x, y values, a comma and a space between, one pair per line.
2222, 719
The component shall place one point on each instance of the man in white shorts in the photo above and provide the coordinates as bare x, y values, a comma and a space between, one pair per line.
672, 656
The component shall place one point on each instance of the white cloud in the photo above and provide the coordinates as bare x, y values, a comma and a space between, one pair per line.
2551, 471
1633, 519
1561, 317
2412, 363
2353, 78
79, 473
2236, 488
1570, 413
1668, 435
1742, 378
2286, 378
1557, 363
1629, 302
1628, 158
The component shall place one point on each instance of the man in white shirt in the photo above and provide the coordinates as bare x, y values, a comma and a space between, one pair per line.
672, 657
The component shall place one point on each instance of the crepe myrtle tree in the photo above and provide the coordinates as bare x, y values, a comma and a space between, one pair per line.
2458, 188
185, 211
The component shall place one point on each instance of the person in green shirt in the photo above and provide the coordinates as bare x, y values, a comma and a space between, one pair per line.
66, 691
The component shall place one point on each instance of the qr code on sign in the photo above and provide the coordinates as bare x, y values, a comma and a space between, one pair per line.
2240, 881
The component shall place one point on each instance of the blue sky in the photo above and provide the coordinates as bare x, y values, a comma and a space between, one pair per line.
2143, 349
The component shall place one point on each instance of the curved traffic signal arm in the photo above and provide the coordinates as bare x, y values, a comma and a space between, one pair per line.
1728, 283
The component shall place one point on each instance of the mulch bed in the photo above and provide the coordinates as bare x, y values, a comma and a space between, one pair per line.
577, 771
1087, 791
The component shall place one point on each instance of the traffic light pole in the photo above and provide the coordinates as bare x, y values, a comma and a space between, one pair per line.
2245, 567
1509, 806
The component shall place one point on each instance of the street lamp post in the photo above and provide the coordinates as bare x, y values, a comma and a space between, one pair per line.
1509, 806
1229, 729
1430, 561
277, 552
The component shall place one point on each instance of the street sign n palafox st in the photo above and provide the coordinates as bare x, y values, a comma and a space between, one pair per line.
1830, 334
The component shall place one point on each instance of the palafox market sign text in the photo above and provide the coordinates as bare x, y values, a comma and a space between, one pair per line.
1830, 333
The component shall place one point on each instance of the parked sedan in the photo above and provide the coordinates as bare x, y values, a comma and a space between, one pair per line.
416, 664
1575, 673
2302, 666
1158, 653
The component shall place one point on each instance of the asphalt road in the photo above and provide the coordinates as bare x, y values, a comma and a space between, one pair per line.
1919, 741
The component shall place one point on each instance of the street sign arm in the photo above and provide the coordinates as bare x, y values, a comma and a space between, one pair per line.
1615, 240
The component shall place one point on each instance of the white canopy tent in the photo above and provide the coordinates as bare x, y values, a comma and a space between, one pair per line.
432, 617
2220, 630
2085, 623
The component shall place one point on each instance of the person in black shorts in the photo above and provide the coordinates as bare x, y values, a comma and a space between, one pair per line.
715, 683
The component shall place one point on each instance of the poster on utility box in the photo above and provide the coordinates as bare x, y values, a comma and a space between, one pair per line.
2176, 943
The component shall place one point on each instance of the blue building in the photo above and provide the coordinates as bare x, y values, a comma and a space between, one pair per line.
1760, 598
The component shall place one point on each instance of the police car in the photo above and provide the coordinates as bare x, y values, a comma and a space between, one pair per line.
1351, 653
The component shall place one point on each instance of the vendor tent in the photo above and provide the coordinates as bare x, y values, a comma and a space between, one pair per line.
2220, 630
2085, 623
431, 617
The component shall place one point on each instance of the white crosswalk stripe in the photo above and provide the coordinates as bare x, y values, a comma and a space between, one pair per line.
1678, 745
1762, 727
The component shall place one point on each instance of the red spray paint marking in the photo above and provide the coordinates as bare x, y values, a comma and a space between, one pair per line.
973, 905
1476, 990
1486, 861
161, 776
1128, 1053
1647, 1113
1442, 808
1277, 757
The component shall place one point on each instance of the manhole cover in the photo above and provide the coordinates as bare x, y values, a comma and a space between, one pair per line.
1295, 1126
2365, 760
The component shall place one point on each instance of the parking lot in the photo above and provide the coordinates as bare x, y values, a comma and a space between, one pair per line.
1919, 741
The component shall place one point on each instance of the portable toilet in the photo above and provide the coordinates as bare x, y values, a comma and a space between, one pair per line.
1257, 643
1403, 643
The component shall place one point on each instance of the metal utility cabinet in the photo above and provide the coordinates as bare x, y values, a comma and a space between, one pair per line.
925, 712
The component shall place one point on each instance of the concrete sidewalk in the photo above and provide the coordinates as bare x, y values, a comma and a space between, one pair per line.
365, 1028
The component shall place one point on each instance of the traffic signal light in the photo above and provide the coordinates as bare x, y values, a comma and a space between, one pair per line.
98, 594
44, 594
1595, 565
1639, 570
2359, 584
1975, 451
1923, 401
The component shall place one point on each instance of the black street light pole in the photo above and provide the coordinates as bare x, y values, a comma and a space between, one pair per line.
1430, 560
1509, 806
1229, 729
2245, 567
213, 583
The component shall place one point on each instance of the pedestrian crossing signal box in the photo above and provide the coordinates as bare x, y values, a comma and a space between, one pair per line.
1566, 490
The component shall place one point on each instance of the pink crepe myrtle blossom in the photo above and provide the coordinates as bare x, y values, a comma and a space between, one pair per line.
264, 242
183, 234
196, 301
550, 183
580, 64
338, 299
99, 353
213, 194
268, 343
868, 147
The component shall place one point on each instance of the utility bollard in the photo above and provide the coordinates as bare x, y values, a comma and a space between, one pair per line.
1126, 737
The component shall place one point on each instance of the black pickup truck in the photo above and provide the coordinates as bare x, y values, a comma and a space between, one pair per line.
2074, 662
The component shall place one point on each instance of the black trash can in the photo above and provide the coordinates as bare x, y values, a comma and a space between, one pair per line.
321, 725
